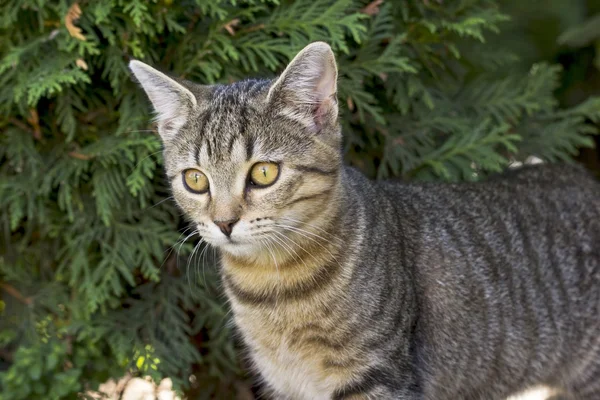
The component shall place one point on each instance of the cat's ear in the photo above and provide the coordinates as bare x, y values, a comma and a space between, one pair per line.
172, 102
307, 89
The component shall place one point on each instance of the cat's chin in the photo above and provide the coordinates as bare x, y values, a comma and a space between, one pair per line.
239, 249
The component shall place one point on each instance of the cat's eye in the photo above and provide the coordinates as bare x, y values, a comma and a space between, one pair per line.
195, 181
264, 174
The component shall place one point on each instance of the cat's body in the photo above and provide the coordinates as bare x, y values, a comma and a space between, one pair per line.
467, 291
342, 287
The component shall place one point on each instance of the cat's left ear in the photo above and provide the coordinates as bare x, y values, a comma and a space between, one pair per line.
307, 89
172, 102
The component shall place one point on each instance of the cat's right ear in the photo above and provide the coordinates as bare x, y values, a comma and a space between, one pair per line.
307, 90
172, 102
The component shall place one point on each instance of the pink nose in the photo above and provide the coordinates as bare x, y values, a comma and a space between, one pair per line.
226, 226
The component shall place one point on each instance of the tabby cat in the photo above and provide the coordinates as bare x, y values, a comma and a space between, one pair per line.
345, 288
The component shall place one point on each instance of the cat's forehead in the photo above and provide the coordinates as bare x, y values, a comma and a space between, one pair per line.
234, 125
239, 93
235, 128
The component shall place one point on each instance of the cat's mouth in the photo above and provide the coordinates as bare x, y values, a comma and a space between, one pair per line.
246, 240
239, 247
233, 244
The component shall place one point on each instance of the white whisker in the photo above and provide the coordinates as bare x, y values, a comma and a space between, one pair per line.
285, 246
190, 258
309, 225
304, 233
170, 249
202, 257
194, 232
149, 155
160, 202
297, 245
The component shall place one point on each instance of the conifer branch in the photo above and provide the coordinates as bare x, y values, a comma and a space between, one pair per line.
11, 290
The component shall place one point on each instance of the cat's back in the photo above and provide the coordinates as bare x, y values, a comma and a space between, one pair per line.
547, 182
508, 274
531, 220
518, 208
535, 195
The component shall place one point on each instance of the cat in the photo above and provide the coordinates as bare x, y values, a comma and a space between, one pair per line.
347, 288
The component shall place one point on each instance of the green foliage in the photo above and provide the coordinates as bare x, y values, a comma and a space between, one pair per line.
97, 273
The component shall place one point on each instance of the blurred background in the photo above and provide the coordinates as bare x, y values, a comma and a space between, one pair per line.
99, 278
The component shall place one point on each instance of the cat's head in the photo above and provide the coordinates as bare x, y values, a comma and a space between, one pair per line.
253, 161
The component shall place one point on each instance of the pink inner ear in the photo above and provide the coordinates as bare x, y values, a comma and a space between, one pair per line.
325, 92
321, 110
318, 113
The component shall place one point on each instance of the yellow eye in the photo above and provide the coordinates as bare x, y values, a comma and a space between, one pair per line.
195, 181
264, 174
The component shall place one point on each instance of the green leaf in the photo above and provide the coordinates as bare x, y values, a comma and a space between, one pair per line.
35, 371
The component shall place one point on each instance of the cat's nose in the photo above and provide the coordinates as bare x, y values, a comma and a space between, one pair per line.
226, 226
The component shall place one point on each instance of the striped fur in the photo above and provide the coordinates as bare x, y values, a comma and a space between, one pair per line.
345, 288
